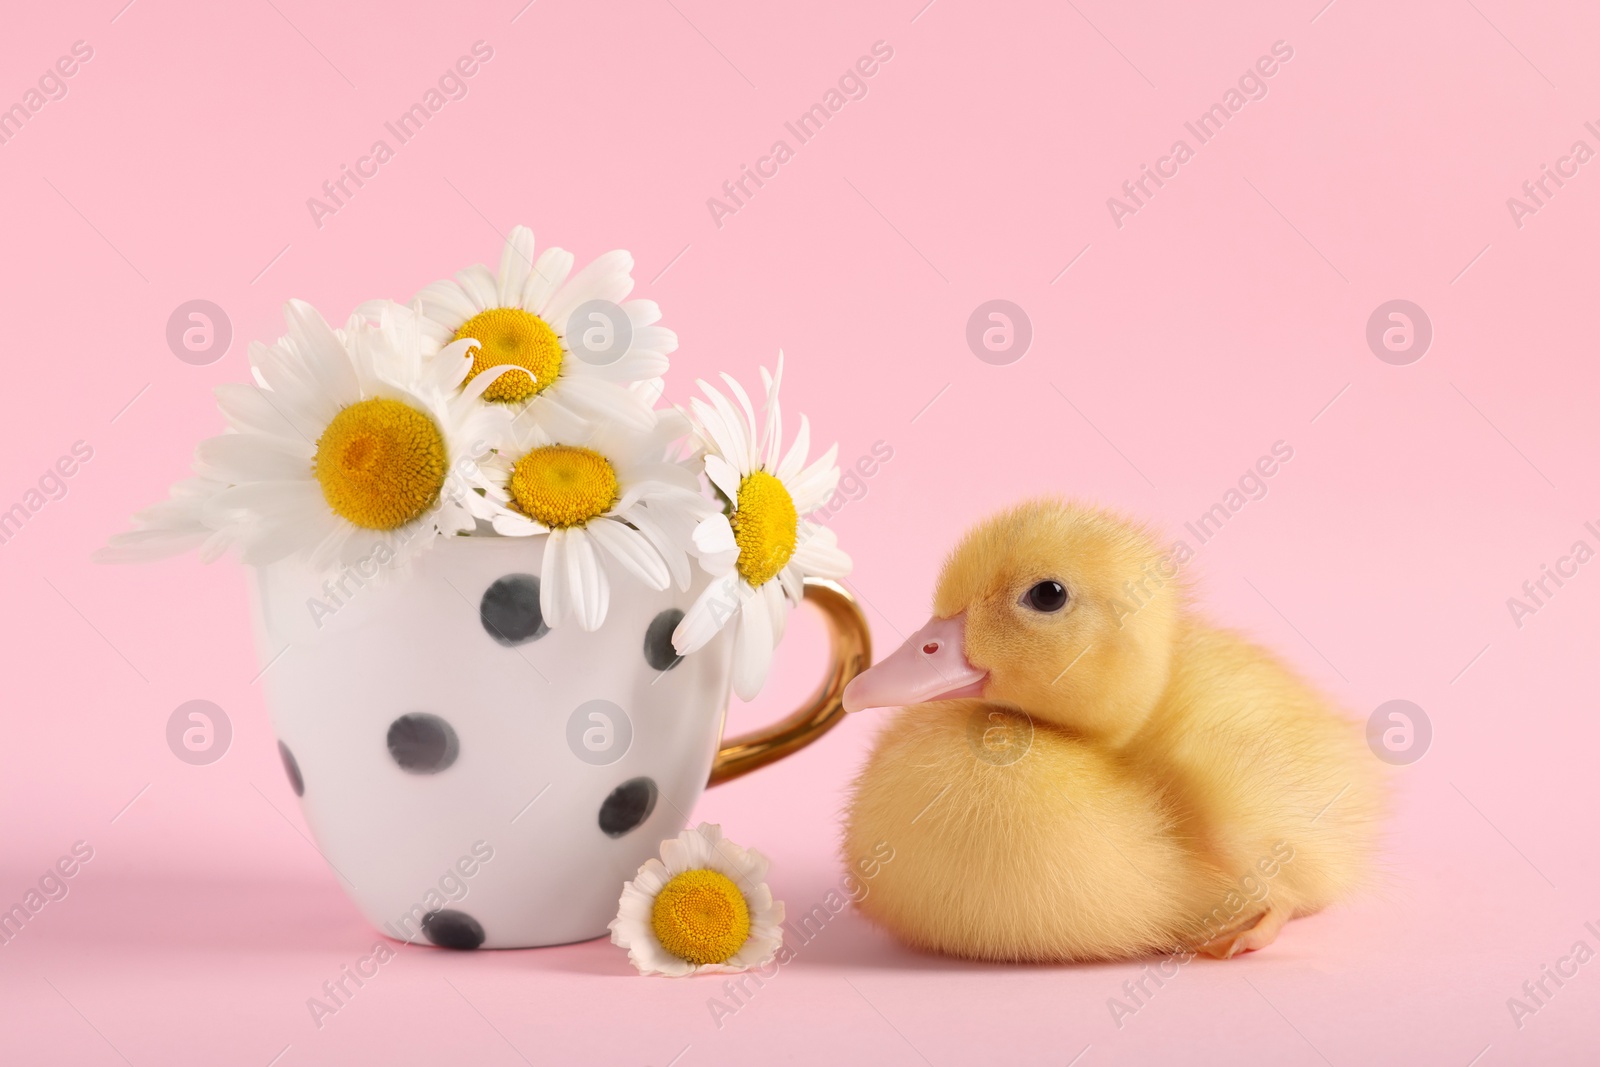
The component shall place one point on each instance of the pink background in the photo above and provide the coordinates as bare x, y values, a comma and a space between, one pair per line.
1227, 314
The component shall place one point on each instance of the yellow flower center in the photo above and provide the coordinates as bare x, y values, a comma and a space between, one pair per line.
764, 524
521, 338
380, 463
563, 485
701, 916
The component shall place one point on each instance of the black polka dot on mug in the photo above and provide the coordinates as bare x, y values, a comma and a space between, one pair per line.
509, 610
628, 806
449, 928
422, 743
658, 649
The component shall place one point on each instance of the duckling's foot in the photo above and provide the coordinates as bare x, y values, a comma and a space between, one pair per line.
1248, 936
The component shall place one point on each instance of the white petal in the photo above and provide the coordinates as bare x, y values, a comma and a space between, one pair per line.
749, 417
692, 849
549, 420
723, 476
772, 435
744, 455
752, 648
655, 339
634, 365
248, 408
663, 963
601, 401
718, 562
672, 426
449, 367
650, 391
651, 879
666, 480
816, 483
606, 278
140, 546
272, 500
591, 593
446, 303
795, 459
714, 535
758, 951
479, 285
631, 549
713, 544
436, 332
239, 457
270, 537
554, 593
516, 263
216, 545
724, 437
370, 310
267, 546
325, 355
510, 524
745, 868
642, 313
549, 271
777, 609
817, 552
677, 559
710, 612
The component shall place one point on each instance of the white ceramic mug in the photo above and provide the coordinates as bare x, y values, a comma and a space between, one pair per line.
475, 780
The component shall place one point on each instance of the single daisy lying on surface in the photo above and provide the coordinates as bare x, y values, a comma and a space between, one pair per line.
703, 907
484, 409
759, 549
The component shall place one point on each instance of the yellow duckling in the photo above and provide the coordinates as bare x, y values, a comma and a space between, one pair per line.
1080, 768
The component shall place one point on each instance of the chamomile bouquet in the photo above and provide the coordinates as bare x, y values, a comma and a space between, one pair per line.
523, 402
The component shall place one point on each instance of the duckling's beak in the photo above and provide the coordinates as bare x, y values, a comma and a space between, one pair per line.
931, 665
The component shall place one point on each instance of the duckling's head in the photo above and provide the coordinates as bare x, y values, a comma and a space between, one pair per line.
1065, 611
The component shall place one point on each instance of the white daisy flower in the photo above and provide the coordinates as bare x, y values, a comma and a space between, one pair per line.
349, 438
703, 907
603, 498
522, 315
761, 549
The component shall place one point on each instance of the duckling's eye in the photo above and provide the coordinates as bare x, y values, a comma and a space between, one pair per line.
1047, 596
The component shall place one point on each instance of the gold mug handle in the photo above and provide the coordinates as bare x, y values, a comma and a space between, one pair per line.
851, 653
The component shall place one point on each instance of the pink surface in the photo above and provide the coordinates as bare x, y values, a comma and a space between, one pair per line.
1227, 313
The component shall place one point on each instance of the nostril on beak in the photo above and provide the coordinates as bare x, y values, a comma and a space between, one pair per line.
930, 665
